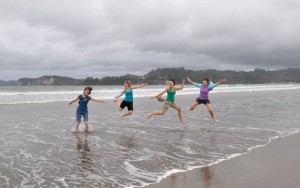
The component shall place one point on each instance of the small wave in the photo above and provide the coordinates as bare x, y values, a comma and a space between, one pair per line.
42, 96
175, 171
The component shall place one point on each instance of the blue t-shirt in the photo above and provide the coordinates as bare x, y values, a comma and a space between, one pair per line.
83, 103
128, 95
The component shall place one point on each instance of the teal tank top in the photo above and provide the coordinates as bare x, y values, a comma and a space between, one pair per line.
128, 95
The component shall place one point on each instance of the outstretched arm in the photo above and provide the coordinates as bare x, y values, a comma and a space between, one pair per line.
120, 94
221, 81
139, 86
194, 83
180, 88
73, 101
161, 93
97, 100
190, 81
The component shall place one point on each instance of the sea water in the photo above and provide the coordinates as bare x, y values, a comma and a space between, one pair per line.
38, 150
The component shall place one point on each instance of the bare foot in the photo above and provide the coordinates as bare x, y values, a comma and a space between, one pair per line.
74, 131
190, 109
149, 116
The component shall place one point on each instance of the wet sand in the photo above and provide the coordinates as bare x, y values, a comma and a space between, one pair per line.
273, 166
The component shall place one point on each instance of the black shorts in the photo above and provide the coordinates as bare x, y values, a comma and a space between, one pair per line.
128, 104
200, 101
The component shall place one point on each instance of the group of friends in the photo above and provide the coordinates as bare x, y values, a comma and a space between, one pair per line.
206, 86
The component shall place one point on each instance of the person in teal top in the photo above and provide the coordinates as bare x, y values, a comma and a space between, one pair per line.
82, 109
170, 100
128, 100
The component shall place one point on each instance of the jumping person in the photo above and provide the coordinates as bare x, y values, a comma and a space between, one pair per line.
82, 109
128, 100
170, 100
205, 87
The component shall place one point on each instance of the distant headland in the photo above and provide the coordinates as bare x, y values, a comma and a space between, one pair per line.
160, 75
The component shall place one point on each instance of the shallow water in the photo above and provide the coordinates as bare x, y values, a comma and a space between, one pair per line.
38, 150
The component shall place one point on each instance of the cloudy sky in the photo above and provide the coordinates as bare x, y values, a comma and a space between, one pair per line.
82, 38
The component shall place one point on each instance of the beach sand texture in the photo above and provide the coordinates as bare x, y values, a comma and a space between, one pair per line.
273, 166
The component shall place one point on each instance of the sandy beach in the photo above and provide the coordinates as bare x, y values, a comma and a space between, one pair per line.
275, 165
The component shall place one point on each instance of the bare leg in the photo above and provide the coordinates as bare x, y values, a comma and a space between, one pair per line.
118, 104
178, 111
77, 126
193, 105
126, 114
209, 108
86, 126
160, 113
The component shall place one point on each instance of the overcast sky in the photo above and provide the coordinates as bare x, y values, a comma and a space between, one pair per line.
95, 38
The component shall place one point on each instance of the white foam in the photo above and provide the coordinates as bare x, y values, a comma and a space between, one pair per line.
174, 171
45, 95
63, 181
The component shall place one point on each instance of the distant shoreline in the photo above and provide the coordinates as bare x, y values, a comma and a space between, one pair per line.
160, 75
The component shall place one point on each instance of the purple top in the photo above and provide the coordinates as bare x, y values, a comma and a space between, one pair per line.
205, 90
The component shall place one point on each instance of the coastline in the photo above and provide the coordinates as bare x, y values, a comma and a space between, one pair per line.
275, 165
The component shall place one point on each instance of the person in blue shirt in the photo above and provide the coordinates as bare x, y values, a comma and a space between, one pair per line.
82, 109
128, 100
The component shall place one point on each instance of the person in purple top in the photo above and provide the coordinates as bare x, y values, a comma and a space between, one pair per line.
205, 87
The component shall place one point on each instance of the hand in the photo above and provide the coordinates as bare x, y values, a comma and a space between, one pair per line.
189, 79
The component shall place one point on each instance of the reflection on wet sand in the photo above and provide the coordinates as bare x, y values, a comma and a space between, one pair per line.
183, 180
206, 176
85, 162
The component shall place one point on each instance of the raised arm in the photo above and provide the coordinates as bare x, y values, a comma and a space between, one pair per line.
221, 81
139, 86
182, 85
189, 80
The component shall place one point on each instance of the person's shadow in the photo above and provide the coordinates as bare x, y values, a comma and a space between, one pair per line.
84, 162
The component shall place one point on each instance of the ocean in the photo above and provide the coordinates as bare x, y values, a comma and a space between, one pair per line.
38, 150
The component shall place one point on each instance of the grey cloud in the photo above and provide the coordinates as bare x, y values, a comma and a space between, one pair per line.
99, 38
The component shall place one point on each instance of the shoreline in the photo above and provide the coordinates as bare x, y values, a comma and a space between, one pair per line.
275, 165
